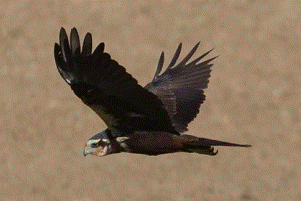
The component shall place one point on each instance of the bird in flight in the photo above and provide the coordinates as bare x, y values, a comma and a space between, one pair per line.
144, 120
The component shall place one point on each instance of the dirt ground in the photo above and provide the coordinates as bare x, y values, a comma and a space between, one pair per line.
254, 97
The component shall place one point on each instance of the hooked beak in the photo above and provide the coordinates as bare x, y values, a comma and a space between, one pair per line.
86, 152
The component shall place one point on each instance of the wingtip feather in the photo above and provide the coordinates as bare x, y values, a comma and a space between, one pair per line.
209, 60
99, 49
87, 45
194, 62
64, 43
189, 55
74, 42
175, 57
160, 65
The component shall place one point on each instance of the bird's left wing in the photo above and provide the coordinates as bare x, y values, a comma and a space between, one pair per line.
104, 85
180, 87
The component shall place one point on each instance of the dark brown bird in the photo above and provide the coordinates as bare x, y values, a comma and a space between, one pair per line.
140, 120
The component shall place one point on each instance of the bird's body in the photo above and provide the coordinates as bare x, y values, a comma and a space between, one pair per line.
140, 120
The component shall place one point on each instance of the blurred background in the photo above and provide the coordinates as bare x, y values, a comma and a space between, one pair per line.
254, 97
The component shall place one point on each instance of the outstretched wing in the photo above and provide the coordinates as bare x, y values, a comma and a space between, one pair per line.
106, 87
180, 87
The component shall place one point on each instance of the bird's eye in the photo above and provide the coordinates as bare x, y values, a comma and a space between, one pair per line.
94, 145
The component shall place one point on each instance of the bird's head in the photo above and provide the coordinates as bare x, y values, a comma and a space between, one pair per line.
98, 145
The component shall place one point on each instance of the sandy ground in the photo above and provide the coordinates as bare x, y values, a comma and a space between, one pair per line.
254, 97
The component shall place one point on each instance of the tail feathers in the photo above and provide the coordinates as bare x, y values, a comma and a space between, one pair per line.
206, 150
204, 145
209, 142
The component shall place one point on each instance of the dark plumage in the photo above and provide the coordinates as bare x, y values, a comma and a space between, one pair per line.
140, 120
180, 87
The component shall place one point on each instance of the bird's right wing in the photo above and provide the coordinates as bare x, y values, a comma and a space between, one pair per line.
180, 87
104, 85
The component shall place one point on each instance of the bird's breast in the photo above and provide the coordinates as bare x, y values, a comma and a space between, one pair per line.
150, 143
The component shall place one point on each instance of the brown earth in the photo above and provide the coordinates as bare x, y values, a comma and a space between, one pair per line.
254, 96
